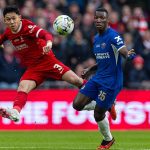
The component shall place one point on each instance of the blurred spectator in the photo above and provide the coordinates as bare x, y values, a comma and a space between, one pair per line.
88, 29
80, 3
130, 45
74, 13
128, 41
2, 4
90, 9
95, 3
138, 78
89, 62
59, 49
77, 50
144, 46
115, 22
135, 34
139, 20
79, 69
41, 22
28, 9
108, 7
63, 6
126, 14
10, 70
40, 12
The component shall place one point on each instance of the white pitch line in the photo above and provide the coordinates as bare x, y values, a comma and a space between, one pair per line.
40, 148
63, 148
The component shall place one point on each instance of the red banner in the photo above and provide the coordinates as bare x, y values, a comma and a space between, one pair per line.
52, 109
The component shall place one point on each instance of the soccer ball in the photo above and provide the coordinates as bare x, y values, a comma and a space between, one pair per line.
63, 25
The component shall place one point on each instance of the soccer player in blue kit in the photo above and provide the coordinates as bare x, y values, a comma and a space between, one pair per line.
107, 82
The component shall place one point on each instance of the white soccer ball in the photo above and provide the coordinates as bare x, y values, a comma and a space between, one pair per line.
63, 25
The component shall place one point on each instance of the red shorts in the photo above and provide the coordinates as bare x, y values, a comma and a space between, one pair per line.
50, 67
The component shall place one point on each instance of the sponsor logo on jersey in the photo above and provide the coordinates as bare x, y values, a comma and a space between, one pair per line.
102, 55
119, 40
21, 46
18, 39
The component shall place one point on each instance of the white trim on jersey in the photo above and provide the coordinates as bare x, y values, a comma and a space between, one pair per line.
37, 33
121, 47
116, 53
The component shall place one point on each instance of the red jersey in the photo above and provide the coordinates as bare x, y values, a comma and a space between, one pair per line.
28, 45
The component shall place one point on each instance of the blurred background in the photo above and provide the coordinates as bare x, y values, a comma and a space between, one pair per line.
52, 109
131, 18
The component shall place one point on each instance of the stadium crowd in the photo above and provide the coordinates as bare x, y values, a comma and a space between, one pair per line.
129, 17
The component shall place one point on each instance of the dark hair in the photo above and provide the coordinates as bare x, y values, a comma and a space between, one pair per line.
9, 9
101, 9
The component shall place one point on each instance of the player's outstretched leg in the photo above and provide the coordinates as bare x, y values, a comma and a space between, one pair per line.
11, 114
106, 144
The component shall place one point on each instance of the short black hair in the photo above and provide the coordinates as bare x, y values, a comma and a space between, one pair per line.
101, 9
9, 9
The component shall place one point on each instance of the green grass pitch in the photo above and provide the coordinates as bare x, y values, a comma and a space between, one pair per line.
71, 140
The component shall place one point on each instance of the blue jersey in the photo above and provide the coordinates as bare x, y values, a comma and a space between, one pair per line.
106, 49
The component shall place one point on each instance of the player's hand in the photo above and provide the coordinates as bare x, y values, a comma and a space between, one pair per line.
131, 54
47, 48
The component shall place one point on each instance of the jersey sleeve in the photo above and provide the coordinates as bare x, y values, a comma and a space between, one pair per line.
117, 41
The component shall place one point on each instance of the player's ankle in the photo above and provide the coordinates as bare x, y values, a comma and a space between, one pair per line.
17, 108
84, 81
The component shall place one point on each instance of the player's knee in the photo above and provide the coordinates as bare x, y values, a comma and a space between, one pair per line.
99, 114
77, 106
26, 86
99, 117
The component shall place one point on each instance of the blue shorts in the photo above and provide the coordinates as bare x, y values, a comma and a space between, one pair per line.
104, 97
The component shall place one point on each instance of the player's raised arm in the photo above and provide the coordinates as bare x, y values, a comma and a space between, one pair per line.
36, 31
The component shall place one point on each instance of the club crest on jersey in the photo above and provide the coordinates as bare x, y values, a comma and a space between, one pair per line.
103, 45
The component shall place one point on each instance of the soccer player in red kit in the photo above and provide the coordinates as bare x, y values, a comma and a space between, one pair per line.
33, 46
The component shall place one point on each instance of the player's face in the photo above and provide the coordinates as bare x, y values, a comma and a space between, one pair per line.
12, 20
101, 20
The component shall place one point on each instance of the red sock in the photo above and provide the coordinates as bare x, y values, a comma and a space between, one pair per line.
20, 100
84, 82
